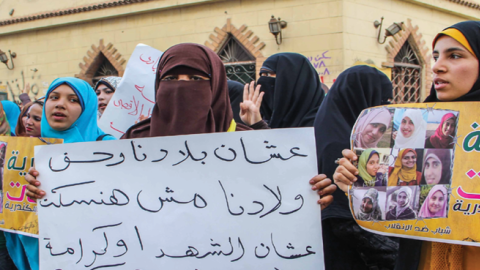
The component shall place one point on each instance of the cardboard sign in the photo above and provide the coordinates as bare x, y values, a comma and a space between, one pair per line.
238, 200
418, 171
134, 97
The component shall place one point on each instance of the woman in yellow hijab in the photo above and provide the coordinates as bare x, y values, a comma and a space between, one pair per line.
404, 172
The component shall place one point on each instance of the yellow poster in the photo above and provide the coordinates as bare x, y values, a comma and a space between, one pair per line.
18, 212
419, 171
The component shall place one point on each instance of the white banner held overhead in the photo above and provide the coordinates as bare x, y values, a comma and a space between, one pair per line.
134, 97
237, 200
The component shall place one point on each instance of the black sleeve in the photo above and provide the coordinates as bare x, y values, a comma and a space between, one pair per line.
260, 125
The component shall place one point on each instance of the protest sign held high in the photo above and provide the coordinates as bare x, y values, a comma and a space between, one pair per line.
211, 201
133, 99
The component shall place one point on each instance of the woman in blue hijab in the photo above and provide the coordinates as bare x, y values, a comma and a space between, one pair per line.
59, 117
69, 113
13, 112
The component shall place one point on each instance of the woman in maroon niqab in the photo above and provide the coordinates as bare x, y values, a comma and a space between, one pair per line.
189, 107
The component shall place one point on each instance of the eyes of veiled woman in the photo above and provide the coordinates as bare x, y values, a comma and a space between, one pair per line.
183, 77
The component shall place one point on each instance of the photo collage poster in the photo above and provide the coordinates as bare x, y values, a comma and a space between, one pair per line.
411, 181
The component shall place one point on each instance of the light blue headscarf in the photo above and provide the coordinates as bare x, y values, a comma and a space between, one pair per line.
85, 129
12, 111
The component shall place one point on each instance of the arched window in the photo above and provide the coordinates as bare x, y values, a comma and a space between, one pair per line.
409, 60
407, 76
239, 63
101, 61
239, 49
106, 69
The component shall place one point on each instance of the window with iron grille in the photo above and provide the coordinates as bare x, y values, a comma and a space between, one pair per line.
106, 69
239, 63
406, 76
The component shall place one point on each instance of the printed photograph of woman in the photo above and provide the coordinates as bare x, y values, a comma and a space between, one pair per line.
407, 168
372, 127
372, 168
371, 203
437, 167
410, 127
441, 130
402, 203
436, 202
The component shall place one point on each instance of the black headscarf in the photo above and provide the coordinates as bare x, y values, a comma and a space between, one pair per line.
294, 96
471, 31
235, 91
355, 89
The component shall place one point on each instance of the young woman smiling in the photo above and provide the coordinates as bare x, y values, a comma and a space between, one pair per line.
404, 172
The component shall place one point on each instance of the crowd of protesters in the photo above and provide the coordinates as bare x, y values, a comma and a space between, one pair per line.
287, 94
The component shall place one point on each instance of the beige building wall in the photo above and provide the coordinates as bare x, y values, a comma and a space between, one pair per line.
360, 35
334, 34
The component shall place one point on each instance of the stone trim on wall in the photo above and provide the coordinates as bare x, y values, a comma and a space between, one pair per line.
411, 33
68, 11
466, 3
93, 60
243, 36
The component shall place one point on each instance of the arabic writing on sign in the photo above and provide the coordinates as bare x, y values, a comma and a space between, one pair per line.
68, 195
14, 201
220, 152
134, 107
234, 249
209, 201
149, 61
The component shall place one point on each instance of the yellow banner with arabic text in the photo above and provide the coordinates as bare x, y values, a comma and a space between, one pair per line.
18, 212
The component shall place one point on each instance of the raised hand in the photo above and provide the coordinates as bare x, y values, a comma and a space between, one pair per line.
252, 101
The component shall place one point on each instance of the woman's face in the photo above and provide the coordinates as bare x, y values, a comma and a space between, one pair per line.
407, 127
448, 127
455, 69
373, 165
409, 160
433, 171
367, 205
373, 132
267, 73
104, 94
34, 117
62, 108
402, 198
436, 202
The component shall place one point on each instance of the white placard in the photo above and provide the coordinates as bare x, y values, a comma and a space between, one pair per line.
135, 94
237, 200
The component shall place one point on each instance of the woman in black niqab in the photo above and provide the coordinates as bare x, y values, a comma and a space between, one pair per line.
355, 89
235, 92
293, 97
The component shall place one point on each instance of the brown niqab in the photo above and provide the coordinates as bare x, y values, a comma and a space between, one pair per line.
188, 107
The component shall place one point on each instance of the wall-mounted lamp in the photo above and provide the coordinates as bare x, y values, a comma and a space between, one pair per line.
276, 27
4, 58
390, 31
